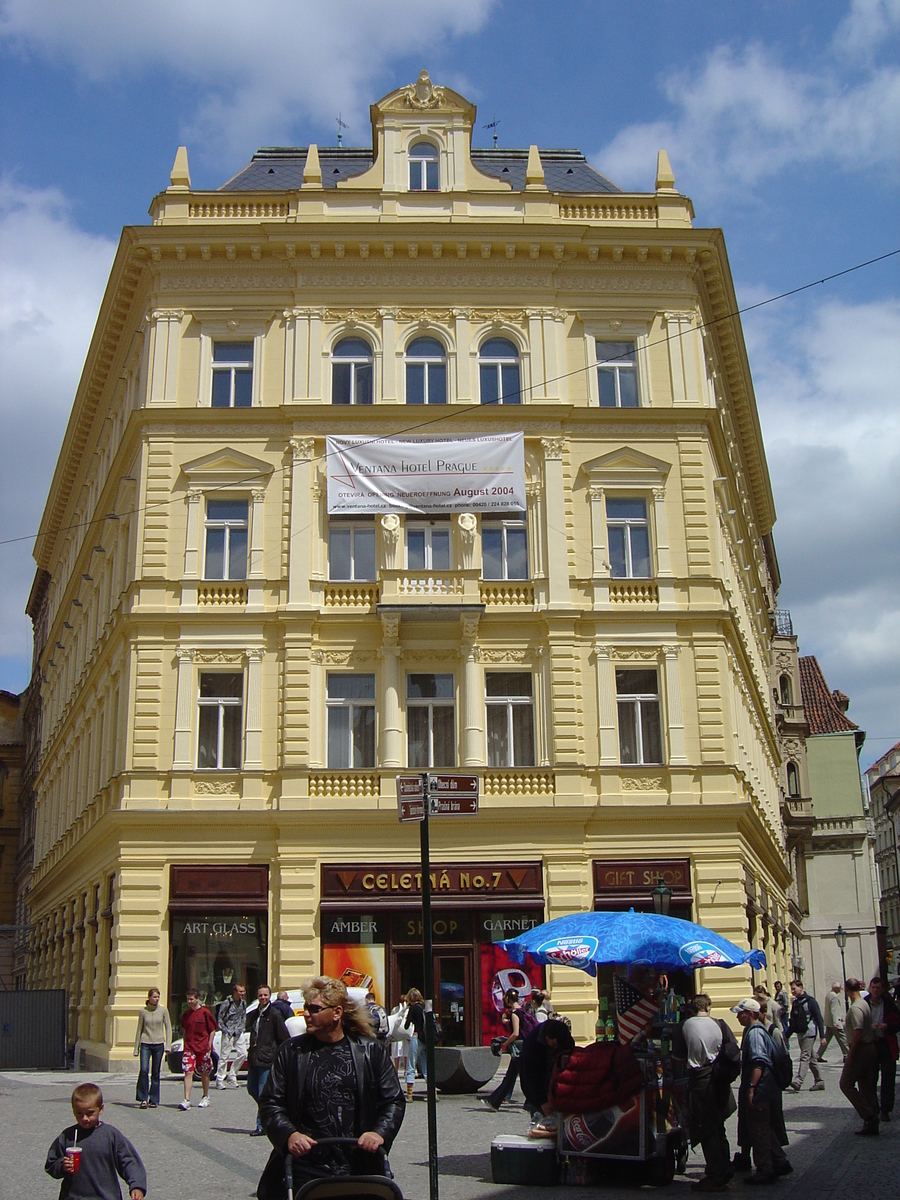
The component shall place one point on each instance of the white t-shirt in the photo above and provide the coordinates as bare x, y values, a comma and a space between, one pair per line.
703, 1038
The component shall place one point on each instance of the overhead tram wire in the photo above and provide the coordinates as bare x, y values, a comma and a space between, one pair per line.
456, 411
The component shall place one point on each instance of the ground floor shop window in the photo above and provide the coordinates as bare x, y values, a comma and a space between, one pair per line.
212, 952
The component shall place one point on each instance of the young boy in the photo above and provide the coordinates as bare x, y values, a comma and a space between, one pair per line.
105, 1154
200, 1028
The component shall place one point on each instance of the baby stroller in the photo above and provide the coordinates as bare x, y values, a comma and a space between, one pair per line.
345, 1187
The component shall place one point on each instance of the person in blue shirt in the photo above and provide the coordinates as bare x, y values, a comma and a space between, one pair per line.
760, 1115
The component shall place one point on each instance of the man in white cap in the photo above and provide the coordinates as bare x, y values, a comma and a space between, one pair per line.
760, 1116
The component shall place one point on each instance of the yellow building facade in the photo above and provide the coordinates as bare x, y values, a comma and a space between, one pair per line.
233, 677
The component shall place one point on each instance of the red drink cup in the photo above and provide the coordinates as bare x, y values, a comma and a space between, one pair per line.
75, 1152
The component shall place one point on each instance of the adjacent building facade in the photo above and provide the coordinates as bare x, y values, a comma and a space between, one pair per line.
12, 757
883, 782
234, 675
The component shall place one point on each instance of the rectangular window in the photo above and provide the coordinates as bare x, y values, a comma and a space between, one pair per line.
510, 719
629, 538
428, 547
351, 721
504, 549
430, 723
617, 375
232, 375
351, 550
640, 732
226, 539
221, 710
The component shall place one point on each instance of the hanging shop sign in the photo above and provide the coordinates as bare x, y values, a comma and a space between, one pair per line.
426, 475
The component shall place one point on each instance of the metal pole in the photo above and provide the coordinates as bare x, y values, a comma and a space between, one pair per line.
844, 981
428, 980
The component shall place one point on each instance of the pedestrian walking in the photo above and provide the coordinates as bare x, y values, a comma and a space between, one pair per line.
153, 1037
861, 1068
415, 1054
399, 1036
783, 1000
90, 1156
885, 1026
283, 1004
232, 1019
806, 1021
267, 1032
543, 1009
379, 1017
335, 1080
200, 1027
710, 1099
760, 1115
835, 1010
770, 1009
519, 1022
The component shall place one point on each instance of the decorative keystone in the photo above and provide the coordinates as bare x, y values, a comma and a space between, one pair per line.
665, 176
312, 172
180, 176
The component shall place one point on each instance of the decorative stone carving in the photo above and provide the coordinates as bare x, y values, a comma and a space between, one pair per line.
303, 449
644, 654
214, 787
390, 628
219, 657
390, 530
643, 783
423, 94
553, 448
504, 656
468, 523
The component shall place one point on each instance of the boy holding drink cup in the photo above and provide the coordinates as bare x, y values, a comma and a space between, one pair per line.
89, 1156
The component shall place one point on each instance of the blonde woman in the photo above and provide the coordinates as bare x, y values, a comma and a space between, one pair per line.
154, 1035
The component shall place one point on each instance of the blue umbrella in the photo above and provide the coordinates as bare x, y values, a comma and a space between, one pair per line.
584, 939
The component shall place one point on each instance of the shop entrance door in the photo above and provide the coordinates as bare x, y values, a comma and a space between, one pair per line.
452, 987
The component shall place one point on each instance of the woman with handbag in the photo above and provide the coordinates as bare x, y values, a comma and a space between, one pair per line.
519, 1022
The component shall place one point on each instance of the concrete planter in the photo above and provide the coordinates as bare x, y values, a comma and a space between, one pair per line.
461, 1069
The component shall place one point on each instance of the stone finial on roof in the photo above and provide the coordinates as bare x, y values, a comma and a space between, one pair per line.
534, 172
312, 172
180, 175
665, 176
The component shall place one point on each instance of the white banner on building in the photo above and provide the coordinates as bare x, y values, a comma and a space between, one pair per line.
426, 475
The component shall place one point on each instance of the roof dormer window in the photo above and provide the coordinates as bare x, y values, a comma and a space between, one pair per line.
423, 167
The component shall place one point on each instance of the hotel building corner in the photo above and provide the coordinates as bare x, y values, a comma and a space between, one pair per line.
233, 676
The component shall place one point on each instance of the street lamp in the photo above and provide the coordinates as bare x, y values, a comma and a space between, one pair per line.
840, 937
662, 896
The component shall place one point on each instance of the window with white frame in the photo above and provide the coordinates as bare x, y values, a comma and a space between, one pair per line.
352, 372
428, 546
225, 554
350, 707
232, 375
640, 731
628, 530
424, 168
504, 548
430, 721
498, 372
426, 372
617, 374
220, 723
351, 550
509, 699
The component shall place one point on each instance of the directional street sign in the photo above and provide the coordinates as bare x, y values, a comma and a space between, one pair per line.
452, 795
410, 798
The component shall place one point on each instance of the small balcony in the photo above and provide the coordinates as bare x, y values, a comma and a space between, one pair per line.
797, 813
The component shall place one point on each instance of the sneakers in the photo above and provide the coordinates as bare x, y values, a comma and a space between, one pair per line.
818, 1087
220, 1086
204, 1103
185, 1105
232, 1083
795, 1086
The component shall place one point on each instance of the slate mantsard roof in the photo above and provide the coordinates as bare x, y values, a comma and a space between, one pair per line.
819, 704
280, 169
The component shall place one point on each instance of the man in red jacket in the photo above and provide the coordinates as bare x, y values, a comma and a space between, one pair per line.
200, 1028
885, 1025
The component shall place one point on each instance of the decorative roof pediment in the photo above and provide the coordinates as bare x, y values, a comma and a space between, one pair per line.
226, 468
424, 97
627, 467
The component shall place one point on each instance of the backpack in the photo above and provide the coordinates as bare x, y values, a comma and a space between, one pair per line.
782, 1067
527, 1021
380, 1021
727, 1063
798, 1022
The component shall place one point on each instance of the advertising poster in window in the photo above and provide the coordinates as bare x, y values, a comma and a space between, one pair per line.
498, 974
426, 475
357, 965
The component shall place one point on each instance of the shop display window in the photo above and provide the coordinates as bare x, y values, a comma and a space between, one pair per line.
213, 951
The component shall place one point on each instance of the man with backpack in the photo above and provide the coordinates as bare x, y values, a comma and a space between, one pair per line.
806, 1020
379, 1017
713, 1063
764, 1072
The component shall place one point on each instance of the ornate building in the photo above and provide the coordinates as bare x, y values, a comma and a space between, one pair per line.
883, 782
236, 671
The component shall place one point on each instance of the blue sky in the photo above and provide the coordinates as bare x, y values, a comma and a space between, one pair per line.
782, 122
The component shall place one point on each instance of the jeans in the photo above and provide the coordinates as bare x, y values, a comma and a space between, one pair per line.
858, 1081
227, 1057
148, 1079
768, 1154
415, 1059
887, 1068
507, 1085
256, 1081
808, 1060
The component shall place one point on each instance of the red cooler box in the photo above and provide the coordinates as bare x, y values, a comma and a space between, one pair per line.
525, 1160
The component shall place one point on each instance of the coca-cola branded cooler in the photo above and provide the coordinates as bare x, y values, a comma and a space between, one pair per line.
517, 1159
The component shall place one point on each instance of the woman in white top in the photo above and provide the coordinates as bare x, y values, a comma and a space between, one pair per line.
154, 1034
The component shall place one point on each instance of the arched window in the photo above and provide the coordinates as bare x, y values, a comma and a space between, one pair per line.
787, 692
423, 168
498, 361
351, 372
793, 780
426, 372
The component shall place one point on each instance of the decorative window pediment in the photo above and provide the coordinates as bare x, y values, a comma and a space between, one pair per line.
628, 468
227, 468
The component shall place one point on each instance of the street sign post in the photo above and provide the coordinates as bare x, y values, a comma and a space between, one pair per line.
411, 798
452, 795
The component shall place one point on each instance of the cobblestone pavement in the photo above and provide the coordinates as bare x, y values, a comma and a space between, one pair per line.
207, 1152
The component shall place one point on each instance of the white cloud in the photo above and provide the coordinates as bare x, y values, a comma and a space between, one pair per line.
826, 386
52, 277
745, 116
866, 26
262, 69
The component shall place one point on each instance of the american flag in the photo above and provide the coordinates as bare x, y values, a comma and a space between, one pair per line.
633, 1010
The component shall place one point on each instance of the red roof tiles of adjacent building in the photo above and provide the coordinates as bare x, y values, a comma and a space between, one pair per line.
887, 754
821, 707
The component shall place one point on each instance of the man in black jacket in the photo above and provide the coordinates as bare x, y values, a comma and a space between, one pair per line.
806, 1021
537, 1058
334, 1080
267, 1032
